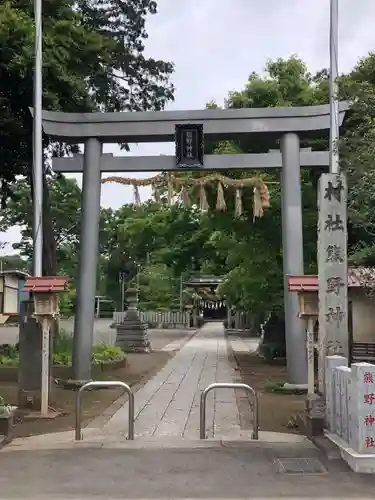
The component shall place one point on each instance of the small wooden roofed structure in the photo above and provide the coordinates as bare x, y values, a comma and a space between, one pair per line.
37, 284
358, 277
204, 282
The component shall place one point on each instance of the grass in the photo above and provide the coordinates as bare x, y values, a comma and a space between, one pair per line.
278, 387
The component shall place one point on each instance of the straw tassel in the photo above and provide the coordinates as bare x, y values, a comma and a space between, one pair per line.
238, 209
184, 196
265, 196
220, 201
137, 197
156, 194
203, 199
170, 191
257, 204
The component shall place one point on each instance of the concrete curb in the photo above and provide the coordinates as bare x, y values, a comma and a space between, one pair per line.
4, 440
330, 450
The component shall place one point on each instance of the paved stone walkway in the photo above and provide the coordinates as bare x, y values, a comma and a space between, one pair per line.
107, 466
168, 405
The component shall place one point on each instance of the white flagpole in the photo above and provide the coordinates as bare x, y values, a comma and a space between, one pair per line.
333, 87
38, 194
37, 144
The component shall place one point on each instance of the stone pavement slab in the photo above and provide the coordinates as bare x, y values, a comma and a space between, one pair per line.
226, 471
168, 405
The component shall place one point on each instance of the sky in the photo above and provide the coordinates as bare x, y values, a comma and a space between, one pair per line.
215, 48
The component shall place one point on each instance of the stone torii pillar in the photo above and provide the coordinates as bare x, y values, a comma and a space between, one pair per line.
88, 261
292, 239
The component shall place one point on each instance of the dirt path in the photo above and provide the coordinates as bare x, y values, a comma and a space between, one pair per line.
276, 411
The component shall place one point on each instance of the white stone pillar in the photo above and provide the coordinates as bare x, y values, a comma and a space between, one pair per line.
332, 362
361, 399
344, 374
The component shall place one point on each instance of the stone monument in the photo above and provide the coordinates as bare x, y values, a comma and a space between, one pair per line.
333, 271
131, 333
30, 364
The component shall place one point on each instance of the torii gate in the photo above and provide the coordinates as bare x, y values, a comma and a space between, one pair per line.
289, 125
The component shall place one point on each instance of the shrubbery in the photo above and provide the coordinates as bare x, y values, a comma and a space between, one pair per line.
62, 355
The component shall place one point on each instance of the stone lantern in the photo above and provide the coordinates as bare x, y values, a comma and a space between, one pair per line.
131, 333
308, 298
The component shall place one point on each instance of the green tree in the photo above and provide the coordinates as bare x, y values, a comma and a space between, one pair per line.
65, 200
357, 153
93, 60
65, 210
254, 251
10, 262
158, 288
148, 235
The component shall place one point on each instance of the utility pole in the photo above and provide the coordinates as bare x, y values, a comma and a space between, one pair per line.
333, 87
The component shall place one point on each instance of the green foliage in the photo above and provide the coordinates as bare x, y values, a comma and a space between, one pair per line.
161, 245
278, 387
65, 211
103, 353
11, 262
67, 302
158, 289
62, 354
254, 254
5, 410
9, 354
93, 60
93, 57
271, 351
273, 386
12, 360
254, 248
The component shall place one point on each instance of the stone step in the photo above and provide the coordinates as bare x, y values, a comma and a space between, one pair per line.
93, 438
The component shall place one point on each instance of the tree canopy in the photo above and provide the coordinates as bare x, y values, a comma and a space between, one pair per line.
93, 59
160, 245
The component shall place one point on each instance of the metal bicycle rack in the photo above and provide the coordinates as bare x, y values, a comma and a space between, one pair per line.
103, 384
229, 385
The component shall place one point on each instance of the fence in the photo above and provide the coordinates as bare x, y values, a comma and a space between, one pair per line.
350, 403
159, 319
362, 351
240, 320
